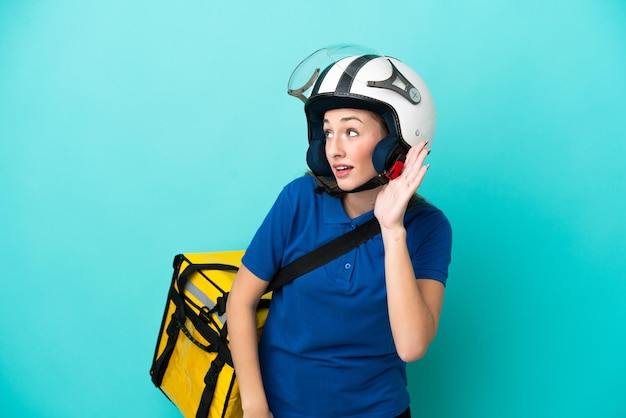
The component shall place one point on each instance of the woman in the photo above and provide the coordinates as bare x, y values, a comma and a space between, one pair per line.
337, 339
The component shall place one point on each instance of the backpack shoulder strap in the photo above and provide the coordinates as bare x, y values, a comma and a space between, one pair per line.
325, 253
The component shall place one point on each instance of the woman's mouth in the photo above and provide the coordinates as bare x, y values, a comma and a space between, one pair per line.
342, 170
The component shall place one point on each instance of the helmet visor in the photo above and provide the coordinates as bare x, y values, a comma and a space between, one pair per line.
305, 75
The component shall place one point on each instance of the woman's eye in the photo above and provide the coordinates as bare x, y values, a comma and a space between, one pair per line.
328, 134
352, 132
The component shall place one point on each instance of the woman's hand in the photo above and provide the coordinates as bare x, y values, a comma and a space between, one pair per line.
394, 197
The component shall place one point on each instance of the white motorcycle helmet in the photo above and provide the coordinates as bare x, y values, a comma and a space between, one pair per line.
352, 76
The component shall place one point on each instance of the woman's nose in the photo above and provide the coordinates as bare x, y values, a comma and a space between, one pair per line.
334, 147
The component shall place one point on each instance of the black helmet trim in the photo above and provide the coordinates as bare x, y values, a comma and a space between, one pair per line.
390, 149
347, 78
318, 105
409, 92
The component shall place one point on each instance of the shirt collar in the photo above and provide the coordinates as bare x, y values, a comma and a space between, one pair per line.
334, 213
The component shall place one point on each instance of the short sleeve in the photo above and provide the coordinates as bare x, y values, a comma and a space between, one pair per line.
429, 236
264, 255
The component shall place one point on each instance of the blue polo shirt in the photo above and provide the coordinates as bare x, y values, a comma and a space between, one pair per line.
327, 348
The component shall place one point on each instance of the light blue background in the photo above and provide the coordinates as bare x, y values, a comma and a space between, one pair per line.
134, 130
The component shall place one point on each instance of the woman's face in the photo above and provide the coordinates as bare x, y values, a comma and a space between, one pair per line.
351, 135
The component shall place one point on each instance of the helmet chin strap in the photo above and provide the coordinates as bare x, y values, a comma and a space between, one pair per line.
335, 191
373, 183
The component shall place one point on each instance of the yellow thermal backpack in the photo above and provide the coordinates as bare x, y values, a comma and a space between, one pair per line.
192, 363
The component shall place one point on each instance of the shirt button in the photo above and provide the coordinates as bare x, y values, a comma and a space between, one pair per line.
347, 266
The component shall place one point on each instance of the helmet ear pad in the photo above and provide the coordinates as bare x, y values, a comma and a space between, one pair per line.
316, 159
386, 153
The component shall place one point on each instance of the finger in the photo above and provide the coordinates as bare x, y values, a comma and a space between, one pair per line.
416, 179
418, 151
415, 159
416, 175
